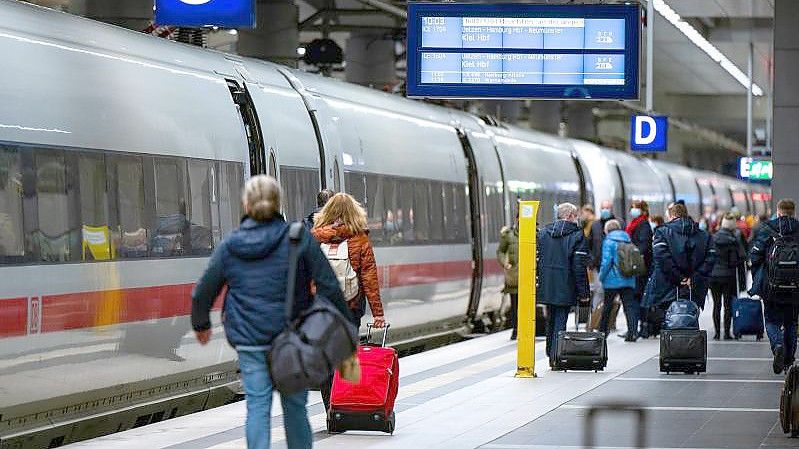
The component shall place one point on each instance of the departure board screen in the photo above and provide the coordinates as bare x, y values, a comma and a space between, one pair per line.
523, 51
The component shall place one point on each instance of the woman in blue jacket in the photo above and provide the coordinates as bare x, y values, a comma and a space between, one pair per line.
616, 284
253, 263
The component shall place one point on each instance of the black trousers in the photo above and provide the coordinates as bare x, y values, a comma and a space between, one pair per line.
723, 291
513, 319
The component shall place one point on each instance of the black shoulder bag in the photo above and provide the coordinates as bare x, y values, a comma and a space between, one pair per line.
305, 354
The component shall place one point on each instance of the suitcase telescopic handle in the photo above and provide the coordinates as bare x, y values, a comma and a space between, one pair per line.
595, 410
370, 326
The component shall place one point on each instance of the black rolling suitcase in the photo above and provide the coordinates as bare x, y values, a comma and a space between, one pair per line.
683, 350
581, 351
789, 403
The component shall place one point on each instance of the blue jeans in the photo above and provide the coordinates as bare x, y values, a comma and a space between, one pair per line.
781, 327
556, 322
258, 390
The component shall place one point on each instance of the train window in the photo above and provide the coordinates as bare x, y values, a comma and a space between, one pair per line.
495, 215
355, 187
421, 211
200, 191
457, 216
93, 194
53, 241
300, 186
375, 210
128, 177
405, 210
231, 181
12, 246
437, 211
172, 231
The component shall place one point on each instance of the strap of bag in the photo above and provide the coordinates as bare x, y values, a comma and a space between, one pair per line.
295, 235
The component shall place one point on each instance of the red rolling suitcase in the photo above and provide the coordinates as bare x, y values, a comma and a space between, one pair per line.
368, 405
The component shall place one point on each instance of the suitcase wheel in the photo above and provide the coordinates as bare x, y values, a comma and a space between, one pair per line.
332, 427
795, 433
390, 423
759, 337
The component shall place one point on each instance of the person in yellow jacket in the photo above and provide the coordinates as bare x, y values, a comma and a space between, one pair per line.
508, 258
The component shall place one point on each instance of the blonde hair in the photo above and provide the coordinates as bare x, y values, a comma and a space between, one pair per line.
345, 209
565, 210
261, 197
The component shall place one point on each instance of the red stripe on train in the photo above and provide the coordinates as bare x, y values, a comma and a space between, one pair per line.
13, 317
51, 313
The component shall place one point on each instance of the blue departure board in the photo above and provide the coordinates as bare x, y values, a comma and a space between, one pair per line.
523, 51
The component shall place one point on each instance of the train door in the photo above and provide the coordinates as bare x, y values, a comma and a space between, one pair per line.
475, 223
252, 127
586, 192
621, 200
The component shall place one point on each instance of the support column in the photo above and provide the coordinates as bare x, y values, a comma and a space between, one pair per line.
276, 36
132, 14
370, 59
786, 100
545, 116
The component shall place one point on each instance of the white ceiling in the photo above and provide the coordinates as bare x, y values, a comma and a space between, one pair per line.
723, 8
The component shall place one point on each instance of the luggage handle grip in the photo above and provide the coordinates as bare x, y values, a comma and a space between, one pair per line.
370, 326
617, 408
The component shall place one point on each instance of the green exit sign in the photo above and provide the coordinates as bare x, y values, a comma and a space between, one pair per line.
761, 170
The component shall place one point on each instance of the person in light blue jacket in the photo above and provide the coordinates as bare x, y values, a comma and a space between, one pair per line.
615, 283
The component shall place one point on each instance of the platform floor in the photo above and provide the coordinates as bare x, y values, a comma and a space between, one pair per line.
465, 396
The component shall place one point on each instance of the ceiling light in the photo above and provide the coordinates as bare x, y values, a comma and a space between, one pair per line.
694, 36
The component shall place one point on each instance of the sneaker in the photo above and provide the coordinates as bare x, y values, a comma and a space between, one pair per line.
716, 336
728, 337
779, 360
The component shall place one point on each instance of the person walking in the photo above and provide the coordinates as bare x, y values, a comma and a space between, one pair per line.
595, 238
682, 256
640, 233
322, 198
343, 221
508, 258
727, 274
615, 283
252, 262
781, 308
562, 277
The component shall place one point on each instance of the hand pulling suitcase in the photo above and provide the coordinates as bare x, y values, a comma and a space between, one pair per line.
581, 351
789, 403
368, 405
747, 316
683, 350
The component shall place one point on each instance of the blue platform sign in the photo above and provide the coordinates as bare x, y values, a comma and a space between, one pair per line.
649, 133
458, 50
201, 13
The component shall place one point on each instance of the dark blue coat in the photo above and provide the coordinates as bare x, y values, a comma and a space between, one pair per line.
253, 263
761, 245
680, 250
562, 260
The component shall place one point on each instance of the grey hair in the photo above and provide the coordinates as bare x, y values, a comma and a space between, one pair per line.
566, 209
261, 197
612, 225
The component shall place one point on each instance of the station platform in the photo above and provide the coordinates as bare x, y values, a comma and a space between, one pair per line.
465, 396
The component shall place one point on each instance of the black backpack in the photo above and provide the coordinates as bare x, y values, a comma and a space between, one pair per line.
310, 348
782, 263
630, 261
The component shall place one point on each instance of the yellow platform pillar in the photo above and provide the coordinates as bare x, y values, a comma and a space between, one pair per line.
528, 211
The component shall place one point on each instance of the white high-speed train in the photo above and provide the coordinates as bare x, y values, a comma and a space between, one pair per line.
121, 161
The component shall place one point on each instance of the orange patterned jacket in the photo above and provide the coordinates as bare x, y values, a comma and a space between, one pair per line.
362, 258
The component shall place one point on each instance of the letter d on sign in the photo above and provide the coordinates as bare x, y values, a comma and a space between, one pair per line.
649, 133
640, 139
